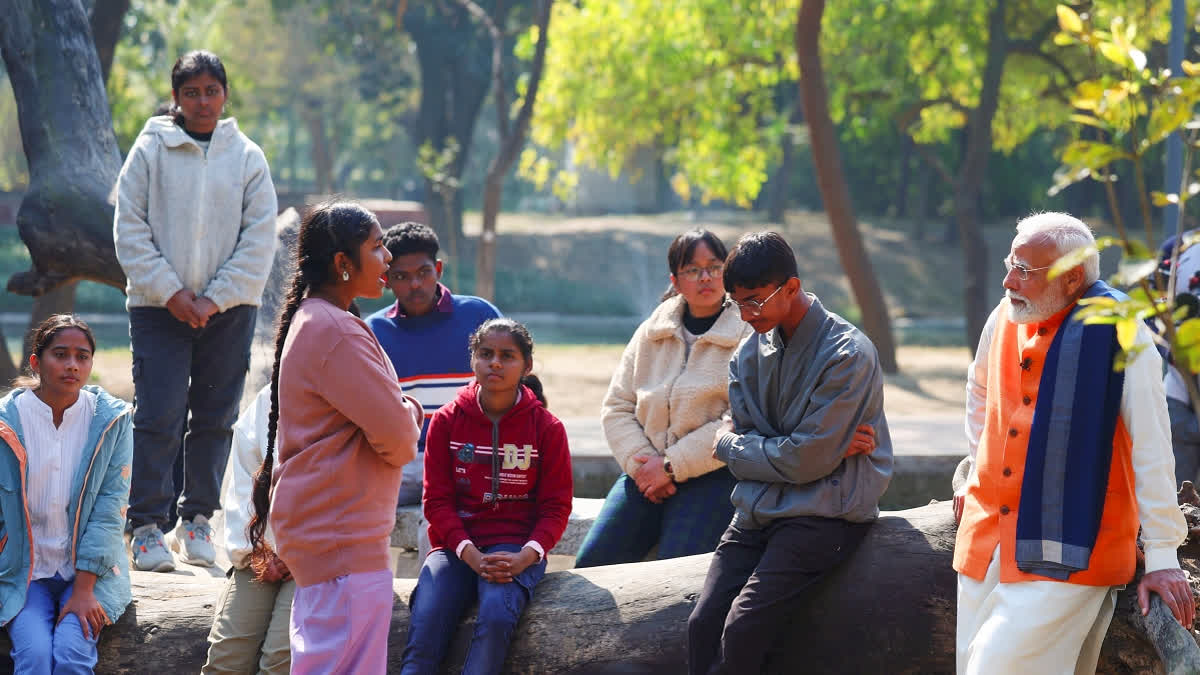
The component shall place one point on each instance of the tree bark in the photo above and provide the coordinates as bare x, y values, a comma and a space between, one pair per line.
108, 16
321, 153
972, 172
66, 216
889, 609
814, 97
512, 133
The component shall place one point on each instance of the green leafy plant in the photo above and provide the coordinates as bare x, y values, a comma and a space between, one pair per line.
1123, 113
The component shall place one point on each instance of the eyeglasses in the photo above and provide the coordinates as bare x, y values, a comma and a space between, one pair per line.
692, 273
755, 307
1022, 271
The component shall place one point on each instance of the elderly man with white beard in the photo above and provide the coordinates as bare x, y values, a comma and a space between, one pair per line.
1068, 456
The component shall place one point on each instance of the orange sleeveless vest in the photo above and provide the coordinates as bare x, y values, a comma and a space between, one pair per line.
989, 518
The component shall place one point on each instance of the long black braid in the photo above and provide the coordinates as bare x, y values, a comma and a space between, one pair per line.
328, 229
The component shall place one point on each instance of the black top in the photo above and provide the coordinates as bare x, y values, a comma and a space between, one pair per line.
198, 136
699, 326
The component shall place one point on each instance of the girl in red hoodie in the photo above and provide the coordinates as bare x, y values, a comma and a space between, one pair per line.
497, 496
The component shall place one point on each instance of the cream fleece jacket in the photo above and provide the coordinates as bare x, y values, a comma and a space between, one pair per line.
190, 219
662, 401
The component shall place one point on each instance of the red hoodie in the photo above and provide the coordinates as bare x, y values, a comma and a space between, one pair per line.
531, 473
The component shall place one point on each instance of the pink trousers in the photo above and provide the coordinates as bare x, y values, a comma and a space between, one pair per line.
341, 625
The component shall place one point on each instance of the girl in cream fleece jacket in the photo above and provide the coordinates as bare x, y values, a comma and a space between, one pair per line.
661, 414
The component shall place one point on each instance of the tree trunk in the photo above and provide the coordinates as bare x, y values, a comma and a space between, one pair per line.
889, 609
8, 369
66, 216
485, 254
973, 170
454, 58
322, 154
108, 16
835, 194
512, 133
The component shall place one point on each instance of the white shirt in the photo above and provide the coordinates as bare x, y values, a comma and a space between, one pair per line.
1144, 411
54, 456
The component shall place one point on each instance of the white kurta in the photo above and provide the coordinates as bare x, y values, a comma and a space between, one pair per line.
54, 456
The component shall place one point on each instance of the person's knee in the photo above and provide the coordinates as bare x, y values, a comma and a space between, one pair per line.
500, 609
72, 651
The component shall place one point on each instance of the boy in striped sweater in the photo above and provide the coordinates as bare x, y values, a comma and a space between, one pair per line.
425, 332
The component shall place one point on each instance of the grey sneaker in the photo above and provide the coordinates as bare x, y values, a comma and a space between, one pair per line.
150, 552
192, 540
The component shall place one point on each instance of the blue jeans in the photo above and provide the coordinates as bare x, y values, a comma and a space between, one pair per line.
689, 522
445, 589
191, 380
40, 646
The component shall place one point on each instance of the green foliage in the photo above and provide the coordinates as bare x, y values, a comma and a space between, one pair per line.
1123, 113
694, 78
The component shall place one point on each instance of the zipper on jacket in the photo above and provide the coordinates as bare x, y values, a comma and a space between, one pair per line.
495, 464
83, 488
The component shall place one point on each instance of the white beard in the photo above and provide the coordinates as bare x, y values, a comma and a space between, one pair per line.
1024, 310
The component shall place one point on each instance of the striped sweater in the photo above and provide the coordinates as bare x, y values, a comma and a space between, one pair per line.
429, 352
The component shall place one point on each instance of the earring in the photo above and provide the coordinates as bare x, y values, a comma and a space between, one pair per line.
345, 275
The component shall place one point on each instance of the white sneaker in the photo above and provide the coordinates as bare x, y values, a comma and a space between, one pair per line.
192, 540
150, 553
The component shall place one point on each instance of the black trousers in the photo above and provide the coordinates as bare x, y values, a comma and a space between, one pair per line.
758, 579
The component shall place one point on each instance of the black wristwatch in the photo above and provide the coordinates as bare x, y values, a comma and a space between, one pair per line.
668, 469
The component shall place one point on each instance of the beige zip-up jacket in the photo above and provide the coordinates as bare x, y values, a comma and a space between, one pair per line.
663, 400
187, 218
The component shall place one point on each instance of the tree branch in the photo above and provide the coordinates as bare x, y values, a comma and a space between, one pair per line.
498, 89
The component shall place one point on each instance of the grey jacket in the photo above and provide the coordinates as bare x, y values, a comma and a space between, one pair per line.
795, 408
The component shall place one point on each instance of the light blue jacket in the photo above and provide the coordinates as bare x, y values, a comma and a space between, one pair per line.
100, 493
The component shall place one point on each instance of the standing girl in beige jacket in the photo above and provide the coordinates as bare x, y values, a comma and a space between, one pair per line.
661, 414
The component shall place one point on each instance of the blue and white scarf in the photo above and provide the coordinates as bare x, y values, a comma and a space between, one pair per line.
1070, 447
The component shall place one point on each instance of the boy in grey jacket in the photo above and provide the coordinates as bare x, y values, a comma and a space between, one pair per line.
798, 390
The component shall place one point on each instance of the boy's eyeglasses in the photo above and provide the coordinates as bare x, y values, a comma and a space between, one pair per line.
755, 307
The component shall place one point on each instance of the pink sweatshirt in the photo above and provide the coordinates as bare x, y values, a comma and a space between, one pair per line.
345, 429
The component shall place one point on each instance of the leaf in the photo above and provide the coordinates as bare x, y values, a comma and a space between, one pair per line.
1114, 53
1070, 261
1068, 19
1162, 199
1191, 69
1127, 333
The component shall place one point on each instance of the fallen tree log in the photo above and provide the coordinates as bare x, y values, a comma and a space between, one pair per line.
890, 609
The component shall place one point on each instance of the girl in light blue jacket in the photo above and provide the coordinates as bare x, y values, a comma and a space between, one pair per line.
65, 454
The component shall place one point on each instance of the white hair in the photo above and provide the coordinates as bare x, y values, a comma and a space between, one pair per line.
1068, 233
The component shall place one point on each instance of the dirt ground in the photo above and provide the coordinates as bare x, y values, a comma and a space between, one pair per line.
931, 381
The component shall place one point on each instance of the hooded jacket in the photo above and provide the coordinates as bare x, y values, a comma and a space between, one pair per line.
100, 493
663, 400
187, 218
530, 473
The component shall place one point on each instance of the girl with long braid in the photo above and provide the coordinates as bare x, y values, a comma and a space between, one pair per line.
343, 429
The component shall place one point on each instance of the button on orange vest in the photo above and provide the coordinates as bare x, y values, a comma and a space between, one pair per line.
1014, 369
